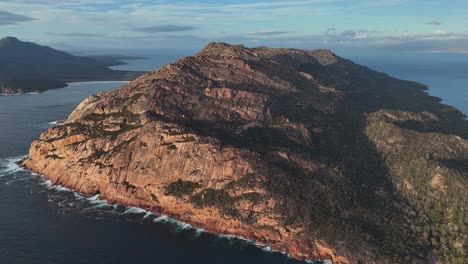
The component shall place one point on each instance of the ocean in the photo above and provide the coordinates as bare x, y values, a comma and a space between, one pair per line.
40, 223
445, 74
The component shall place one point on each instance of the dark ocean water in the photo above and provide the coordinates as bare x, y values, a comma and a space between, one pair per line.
44, 224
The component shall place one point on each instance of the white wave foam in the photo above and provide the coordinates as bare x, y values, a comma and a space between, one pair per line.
95, 201
311, 261
199, 232
179, 226
184, 226
92, 199
239, 238
8, 166
47, 184
79, 197
147, 215
56, 123
135, 210
267, 249
161, 219
60, 188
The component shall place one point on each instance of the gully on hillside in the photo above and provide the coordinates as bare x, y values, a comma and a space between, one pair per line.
302, 151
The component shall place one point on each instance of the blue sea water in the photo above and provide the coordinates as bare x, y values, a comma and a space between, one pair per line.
445, 74
40, 223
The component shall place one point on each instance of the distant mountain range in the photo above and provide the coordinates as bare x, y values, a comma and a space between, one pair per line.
29, 67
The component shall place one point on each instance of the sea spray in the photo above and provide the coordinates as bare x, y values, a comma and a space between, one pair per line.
135, 210
9, 166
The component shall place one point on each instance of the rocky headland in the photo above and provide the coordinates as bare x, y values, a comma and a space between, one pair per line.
27, 67
302, 151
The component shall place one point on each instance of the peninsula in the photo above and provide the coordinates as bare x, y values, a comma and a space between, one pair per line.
302, 151
28, 67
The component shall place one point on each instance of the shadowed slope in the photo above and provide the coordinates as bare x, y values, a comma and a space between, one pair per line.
295, 149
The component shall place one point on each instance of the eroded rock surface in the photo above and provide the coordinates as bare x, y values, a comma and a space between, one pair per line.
251, 142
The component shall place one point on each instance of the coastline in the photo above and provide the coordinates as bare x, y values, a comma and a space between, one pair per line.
156, 217
132, 167
65, 86
120, 76
296, 248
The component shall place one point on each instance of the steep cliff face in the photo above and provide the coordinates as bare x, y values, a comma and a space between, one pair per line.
251, 142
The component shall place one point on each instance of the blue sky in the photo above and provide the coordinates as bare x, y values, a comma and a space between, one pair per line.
410, 25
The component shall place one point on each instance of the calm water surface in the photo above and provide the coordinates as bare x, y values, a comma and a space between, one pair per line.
446, 75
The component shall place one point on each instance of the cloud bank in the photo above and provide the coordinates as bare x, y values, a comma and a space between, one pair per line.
7, 18
164, 28
280, 23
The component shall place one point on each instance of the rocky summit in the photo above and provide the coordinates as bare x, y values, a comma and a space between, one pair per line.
302, 151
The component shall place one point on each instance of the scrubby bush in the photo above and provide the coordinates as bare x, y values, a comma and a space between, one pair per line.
180, 188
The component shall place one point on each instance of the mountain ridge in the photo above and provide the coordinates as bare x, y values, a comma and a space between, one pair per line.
29, 67
298, 150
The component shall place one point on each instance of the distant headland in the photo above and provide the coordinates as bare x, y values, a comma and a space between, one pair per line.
28, 67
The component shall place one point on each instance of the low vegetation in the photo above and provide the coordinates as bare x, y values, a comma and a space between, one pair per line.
180, 188
27, 67
436, 192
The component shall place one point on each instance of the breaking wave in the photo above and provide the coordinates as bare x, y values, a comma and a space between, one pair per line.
54, 123
8, 166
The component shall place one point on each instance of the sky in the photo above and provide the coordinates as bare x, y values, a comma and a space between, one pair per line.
404, 25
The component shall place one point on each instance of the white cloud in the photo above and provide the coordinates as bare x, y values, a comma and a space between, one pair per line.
434, 23
440, 32
7, 18
164, 28
95, 22
268, 33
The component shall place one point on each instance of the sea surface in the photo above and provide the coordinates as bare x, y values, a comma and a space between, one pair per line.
445, 74
45, 224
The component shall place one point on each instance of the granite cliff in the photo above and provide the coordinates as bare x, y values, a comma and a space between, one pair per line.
303, 151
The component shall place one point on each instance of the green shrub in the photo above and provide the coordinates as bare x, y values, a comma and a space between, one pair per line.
180, 188
212, 197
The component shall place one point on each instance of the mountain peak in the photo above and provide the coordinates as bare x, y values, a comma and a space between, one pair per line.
222, 45
9, 40
323, 56
225, 49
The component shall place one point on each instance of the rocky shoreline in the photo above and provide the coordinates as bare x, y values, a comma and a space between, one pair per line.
232, 229
284, 147
209, 222
208, 219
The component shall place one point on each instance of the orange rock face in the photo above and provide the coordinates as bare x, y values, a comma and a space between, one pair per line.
229, 140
